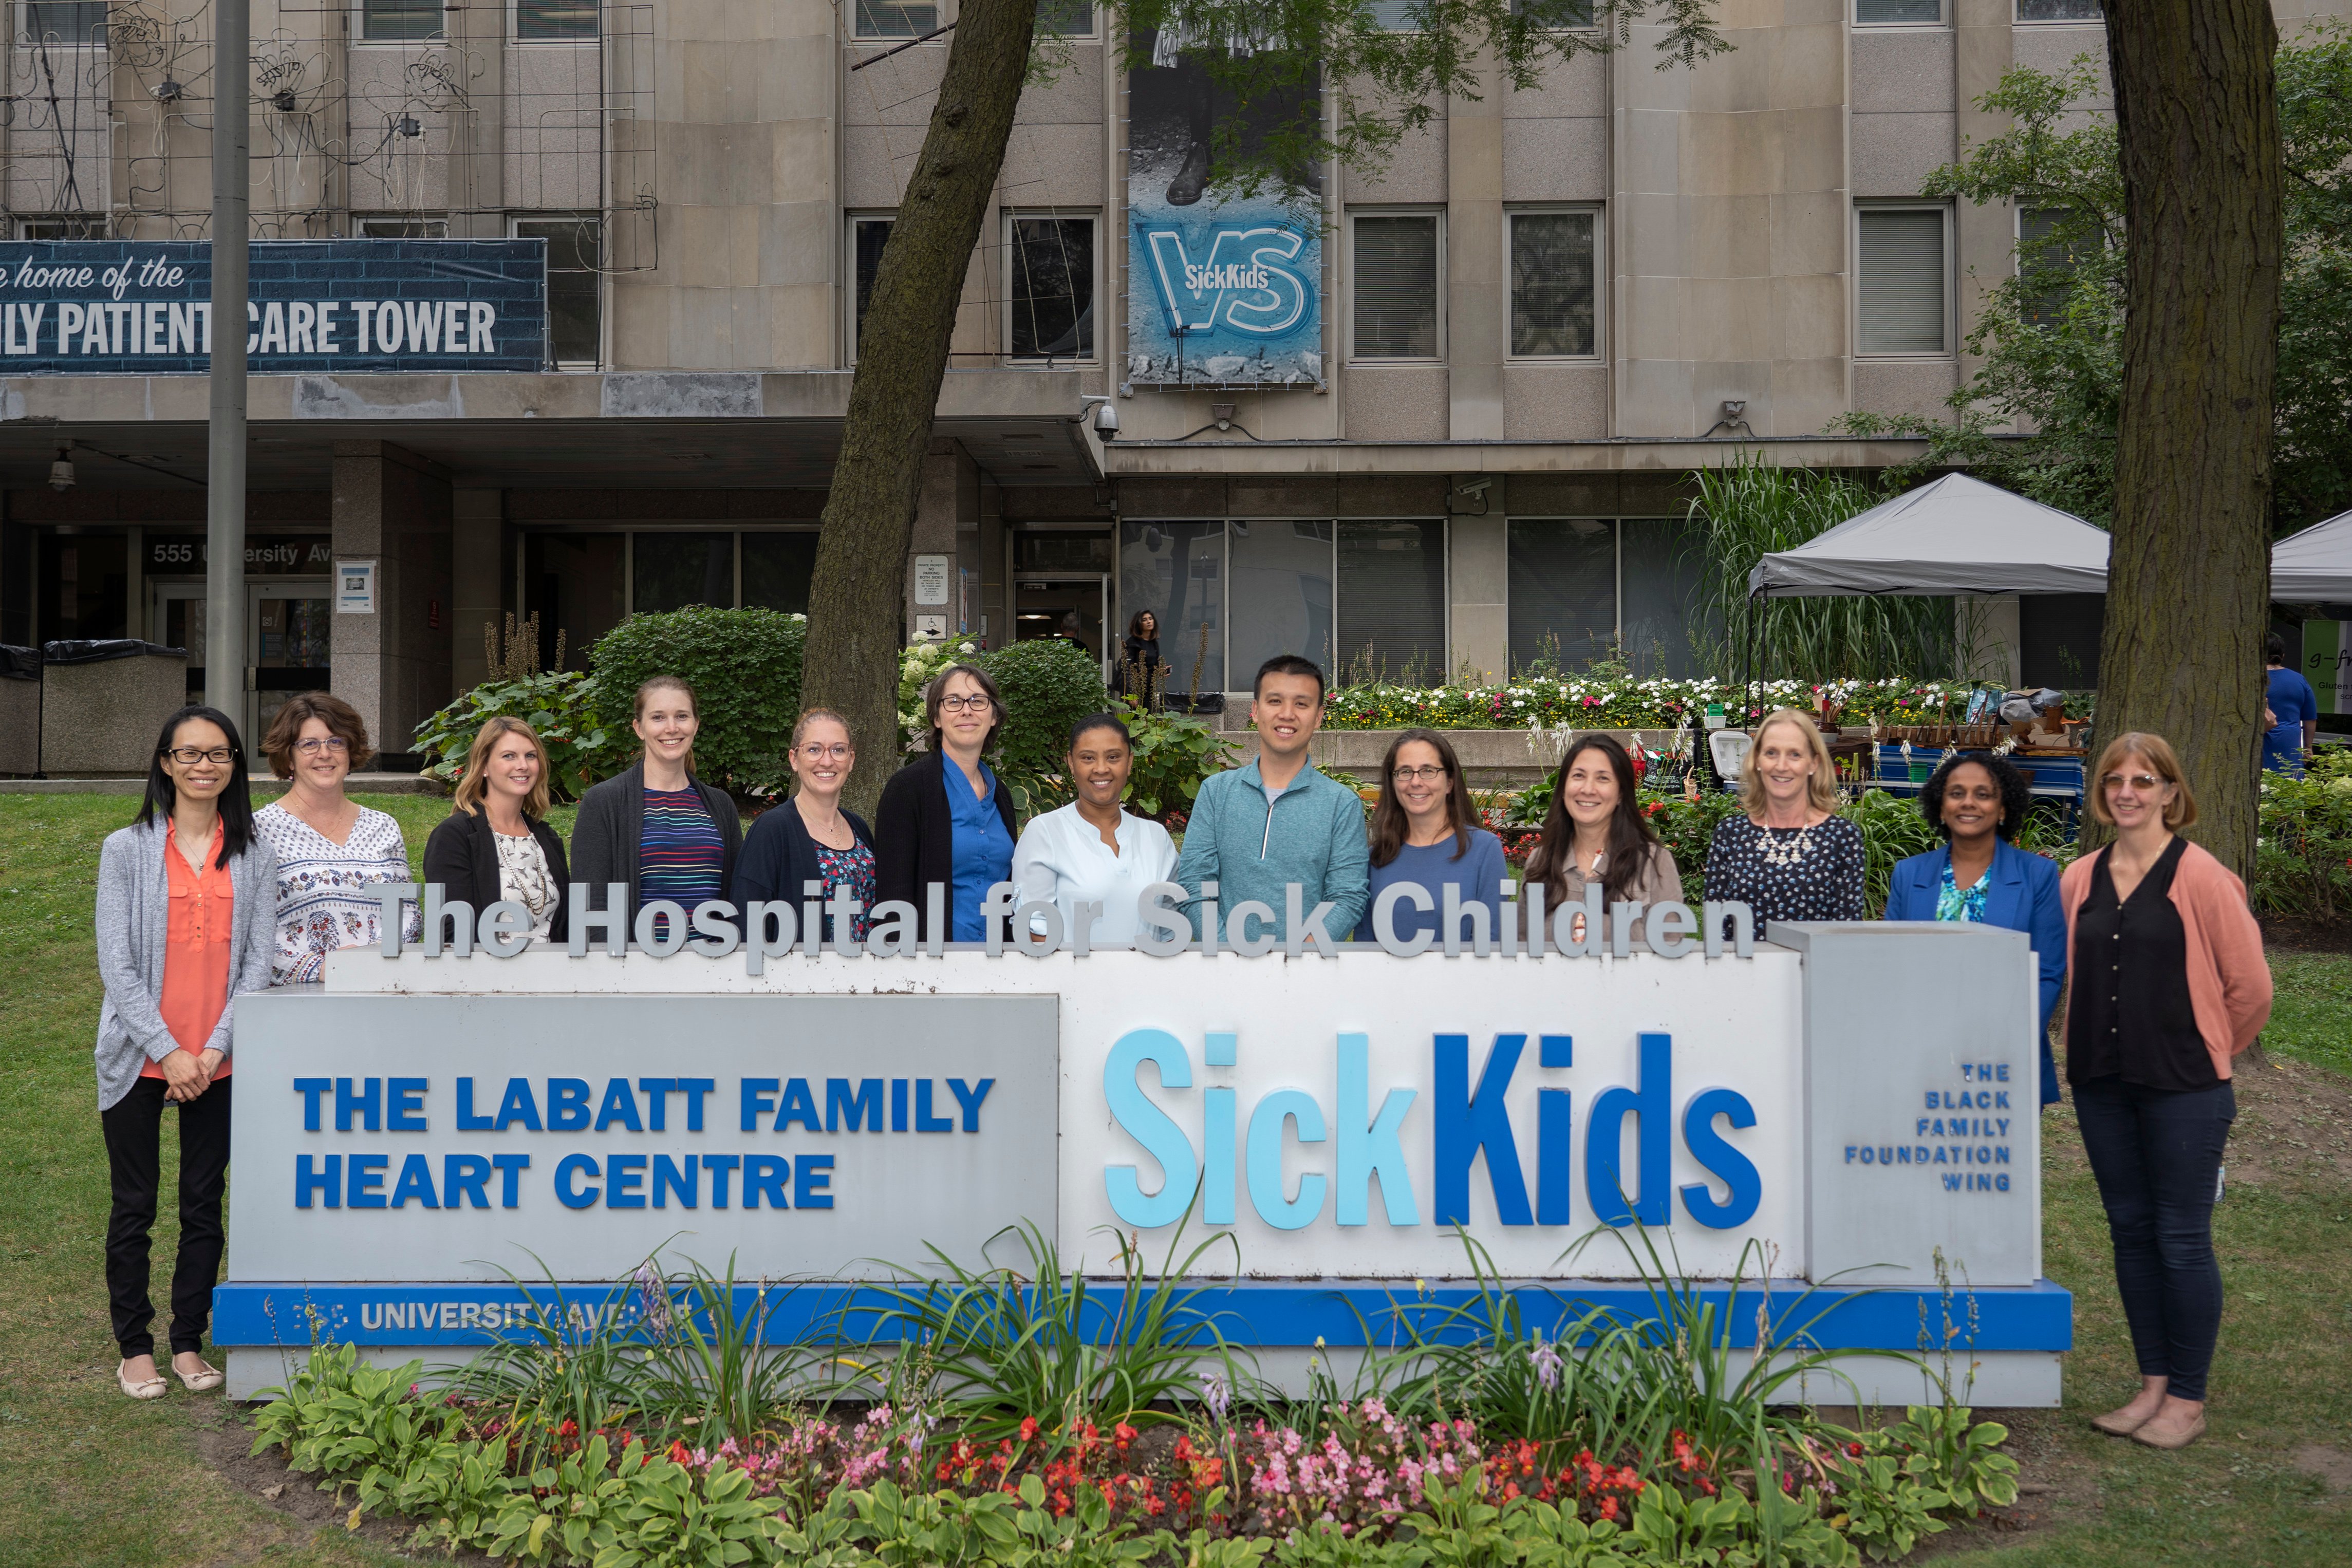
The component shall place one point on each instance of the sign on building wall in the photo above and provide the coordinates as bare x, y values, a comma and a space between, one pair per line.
94, 307
1224, 292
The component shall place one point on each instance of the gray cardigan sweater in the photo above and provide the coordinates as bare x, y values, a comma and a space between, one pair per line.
134, 920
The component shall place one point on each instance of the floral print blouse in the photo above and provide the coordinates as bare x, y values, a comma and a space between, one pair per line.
326, 895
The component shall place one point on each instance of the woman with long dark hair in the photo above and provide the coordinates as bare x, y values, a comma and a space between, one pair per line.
1421, 833
187, 901
1141, 672
1595, 831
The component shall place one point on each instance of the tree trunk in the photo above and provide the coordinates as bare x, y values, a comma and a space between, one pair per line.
858, 596
2188, 581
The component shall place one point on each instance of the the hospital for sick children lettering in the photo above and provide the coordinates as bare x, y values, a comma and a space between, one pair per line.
1961, 1135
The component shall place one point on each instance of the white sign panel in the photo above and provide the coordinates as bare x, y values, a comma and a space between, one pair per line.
355, 587
931, 579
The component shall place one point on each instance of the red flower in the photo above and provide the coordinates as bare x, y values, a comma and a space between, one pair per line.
1028, 1429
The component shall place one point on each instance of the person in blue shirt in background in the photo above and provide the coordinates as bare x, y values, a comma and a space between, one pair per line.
1421, 833
1977, 802
1277, 821
2295, 712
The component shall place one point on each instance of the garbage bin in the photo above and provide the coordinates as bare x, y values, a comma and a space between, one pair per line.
20, 711
103, 703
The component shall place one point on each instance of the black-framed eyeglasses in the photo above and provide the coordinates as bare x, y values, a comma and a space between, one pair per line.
1430, 772
189, 756
977, 702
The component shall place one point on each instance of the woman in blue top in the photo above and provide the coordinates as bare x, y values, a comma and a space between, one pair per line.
943, 818
1978, 802
1421, 833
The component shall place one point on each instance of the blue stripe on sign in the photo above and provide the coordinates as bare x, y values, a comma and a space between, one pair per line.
2038, 1317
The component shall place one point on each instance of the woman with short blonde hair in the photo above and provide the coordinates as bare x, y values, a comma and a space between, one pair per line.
496, 846
1787, 854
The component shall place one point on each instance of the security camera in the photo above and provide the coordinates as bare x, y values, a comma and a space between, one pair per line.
1106, 420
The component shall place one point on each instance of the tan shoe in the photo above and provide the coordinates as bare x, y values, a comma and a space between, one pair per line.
2172, 1437
140, 1388
203, 1380
2120, 1422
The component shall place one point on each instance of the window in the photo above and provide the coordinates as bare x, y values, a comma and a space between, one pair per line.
66, 22
1394, 15
1554, 15
2058, 10
398, 21
1552, 284
1396, 286
577, 582
1176, 570
1282, 591
1562, 588
402, 228
867, 237
671, 570
1897, 13
777, 569
1903, 286
1066, 19
555, 21
66, 226
574, 289
1050, 288
2048, 258
897, 18
1392, 602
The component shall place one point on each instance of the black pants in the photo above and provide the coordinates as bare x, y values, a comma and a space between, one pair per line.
2156, 1155
134, 1132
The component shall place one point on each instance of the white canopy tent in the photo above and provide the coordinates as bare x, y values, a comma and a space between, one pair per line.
1958, 535
2315, 565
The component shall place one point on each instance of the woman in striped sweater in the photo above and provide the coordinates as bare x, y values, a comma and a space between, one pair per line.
656, 827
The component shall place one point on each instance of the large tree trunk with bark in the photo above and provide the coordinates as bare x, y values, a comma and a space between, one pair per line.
2188, 581
856, 599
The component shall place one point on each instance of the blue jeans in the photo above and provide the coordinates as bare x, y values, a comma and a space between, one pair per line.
2156, 1155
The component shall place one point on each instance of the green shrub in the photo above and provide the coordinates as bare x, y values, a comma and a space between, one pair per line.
561, 705
745, 668
1047, 685
1173, 754
2303, 862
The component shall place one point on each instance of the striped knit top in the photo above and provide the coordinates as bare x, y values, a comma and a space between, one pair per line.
680, 854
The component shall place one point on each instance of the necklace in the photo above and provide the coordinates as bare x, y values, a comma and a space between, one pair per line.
1775, 853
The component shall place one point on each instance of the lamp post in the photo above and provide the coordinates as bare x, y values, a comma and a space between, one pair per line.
225, 652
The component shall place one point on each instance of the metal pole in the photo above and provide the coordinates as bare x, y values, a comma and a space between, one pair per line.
225, 652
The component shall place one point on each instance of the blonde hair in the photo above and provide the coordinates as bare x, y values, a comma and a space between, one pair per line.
667, 683
800, 725
1821, 785
474, 783
2179, 812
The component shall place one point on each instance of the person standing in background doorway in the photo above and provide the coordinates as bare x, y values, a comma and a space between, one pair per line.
2294, 713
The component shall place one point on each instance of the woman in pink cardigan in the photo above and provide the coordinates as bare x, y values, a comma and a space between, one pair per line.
2169, 984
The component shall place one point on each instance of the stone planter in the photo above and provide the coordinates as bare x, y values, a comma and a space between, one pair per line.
1491, 759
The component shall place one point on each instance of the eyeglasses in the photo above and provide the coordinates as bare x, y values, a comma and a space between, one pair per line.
977, 702
1416, 775
318, 743
814, 752
2142, 782
189, 756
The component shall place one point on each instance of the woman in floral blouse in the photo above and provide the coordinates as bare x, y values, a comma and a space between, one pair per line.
331, 851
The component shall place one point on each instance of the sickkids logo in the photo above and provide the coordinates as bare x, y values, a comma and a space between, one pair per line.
1245, 282
1242, 1155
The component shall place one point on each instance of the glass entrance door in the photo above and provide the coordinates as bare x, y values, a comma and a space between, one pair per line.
1072, 607
287, 633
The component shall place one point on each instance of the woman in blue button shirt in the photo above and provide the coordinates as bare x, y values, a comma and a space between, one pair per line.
944, 818
1977, 801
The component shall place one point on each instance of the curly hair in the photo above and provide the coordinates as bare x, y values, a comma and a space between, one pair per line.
2016, 791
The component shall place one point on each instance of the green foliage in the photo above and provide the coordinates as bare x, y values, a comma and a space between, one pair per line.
1687, 829
338, 1414
2050, 338
1047, 685
916, 665
745, 668
2302, 856
1175, 754
1964, 1458
711, 1366
561, 705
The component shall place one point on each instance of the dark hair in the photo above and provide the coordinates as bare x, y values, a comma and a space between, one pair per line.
938, 689
1631, 839
339, 716
2275, 648
1288, 664
1100, 721
2016, 793
235, 801
1135, 625
1389, 825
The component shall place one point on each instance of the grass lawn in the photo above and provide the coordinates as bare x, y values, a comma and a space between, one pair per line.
96, 1479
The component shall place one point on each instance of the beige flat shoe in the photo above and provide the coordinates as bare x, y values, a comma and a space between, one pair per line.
206, 1378
145, 1388
2118, 1424
2170, 1440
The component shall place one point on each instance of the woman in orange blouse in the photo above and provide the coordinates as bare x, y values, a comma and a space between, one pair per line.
186, 907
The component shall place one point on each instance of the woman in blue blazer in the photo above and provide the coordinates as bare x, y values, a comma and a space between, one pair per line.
1977, 801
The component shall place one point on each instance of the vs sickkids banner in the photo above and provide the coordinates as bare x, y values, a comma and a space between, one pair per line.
79, 307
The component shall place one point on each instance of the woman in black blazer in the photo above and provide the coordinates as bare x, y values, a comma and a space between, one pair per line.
495, 845
811, 837
924, 833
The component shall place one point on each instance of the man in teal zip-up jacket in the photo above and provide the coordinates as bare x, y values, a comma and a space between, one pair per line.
1254, 830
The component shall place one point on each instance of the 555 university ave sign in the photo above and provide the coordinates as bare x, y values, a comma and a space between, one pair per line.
98, 306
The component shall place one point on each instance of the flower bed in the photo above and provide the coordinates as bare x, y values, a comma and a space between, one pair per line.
1601, 703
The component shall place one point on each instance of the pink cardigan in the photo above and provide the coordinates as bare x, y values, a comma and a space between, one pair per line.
2229, 979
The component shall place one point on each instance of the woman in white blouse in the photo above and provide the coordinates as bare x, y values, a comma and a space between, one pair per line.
1091, 851
495, 847
331, 851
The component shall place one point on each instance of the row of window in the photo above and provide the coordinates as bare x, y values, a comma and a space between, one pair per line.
60, 22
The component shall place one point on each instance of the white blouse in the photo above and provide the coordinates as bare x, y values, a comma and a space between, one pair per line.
1061, 860
326, 890
524, 879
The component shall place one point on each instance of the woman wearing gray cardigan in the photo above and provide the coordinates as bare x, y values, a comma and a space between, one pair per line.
187, 904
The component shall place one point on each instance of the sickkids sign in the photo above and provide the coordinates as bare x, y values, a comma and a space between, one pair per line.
1811, 1125
85, 306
